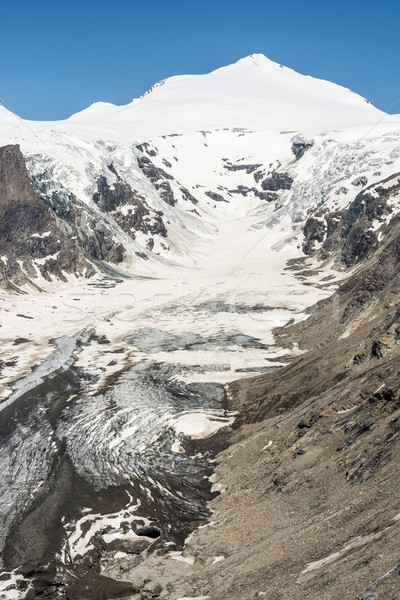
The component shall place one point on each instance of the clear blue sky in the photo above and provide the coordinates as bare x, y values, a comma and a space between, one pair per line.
58, 57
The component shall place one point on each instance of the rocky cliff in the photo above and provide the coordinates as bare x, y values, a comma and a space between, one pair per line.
32, 240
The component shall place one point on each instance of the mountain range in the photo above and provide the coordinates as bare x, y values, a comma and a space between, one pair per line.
200, 343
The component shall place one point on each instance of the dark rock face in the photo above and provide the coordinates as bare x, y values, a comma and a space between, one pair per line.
349, 233
268, 196
276, 182
165, 192
30, 231
244, 190
78, 221
159, 178
145, 147
151, 171
300, 146
188, 196
216, 197
137, 218
313, 232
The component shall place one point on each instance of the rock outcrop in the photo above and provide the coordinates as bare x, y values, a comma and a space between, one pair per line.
32, 241
352, 234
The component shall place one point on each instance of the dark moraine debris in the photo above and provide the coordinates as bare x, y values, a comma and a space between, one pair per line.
130, 546
98, 587
277, 181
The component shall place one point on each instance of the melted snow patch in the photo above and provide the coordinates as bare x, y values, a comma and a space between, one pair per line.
355, 544
198, 425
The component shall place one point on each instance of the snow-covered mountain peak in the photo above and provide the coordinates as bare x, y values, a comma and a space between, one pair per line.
259, 61
254, 93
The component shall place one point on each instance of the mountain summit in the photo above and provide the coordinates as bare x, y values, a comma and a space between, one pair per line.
253, 93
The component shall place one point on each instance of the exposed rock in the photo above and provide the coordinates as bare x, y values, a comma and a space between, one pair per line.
300, 146
129, 546
136, 215
216, 197
78, 221
159, 178
145, 147
324, 525
277, 181
350, 234
258, 175
30, 236
188, 196
151, 171
268, 196
165, 192
314, 230
244, 190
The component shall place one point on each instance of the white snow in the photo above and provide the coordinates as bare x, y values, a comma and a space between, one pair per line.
267, 446
41, 235
198, 425
253, 93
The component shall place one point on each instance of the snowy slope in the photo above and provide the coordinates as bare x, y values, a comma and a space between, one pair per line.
196, 151
253, 93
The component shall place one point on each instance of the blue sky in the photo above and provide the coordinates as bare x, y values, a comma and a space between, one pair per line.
59, 57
